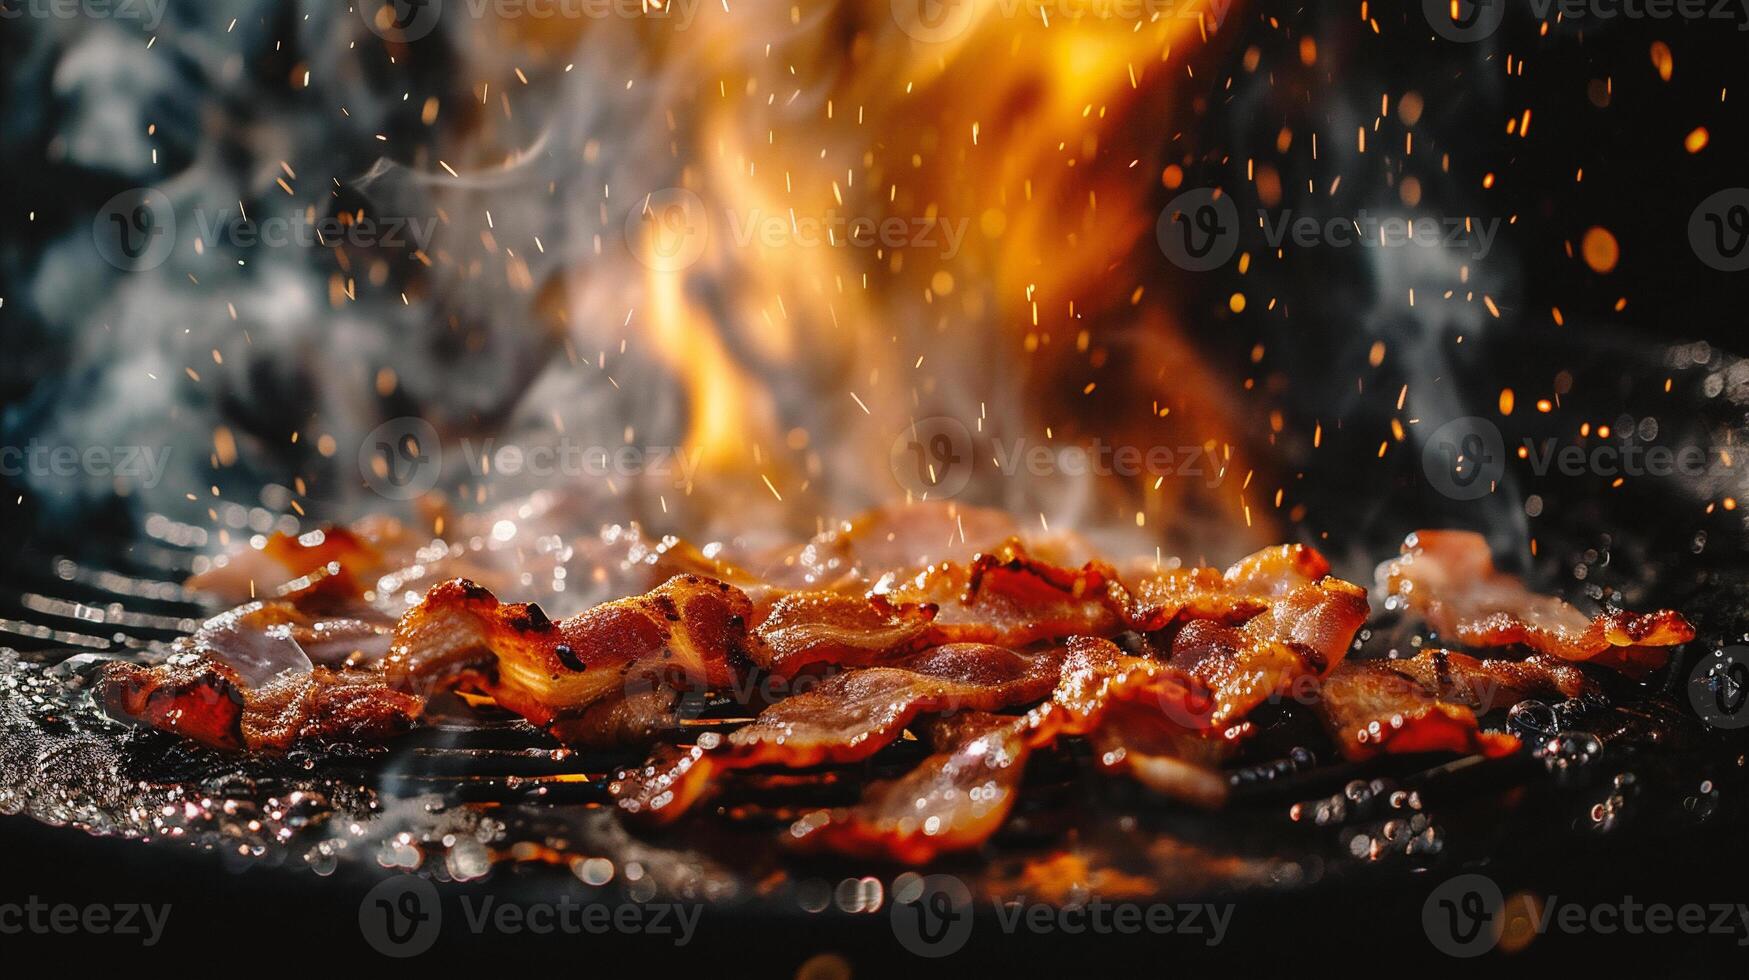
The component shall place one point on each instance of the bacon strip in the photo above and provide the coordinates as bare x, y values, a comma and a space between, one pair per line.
689, 631
255, 678
1010, 598
1449, 578
848, 718
1004, 597
1305, 633
806, 629
1428, 703
958, 797
1244, 590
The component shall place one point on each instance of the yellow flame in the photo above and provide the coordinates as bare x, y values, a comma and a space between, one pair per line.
1025, 135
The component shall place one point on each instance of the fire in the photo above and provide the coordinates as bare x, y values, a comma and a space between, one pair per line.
886, 215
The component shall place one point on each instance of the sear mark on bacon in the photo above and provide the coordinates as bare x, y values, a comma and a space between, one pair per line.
848, 718
1449, 578
1430, 702
690, 631
262, 677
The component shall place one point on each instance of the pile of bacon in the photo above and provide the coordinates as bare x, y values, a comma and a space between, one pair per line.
942, 623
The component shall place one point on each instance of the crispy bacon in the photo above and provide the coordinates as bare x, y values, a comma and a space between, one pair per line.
1307, 632
959, 796
806, 629
689, 631
938, 649
1245, 589
956, 799
1008, 597
1449, 578
1150, 720
846, 719
261, 677
1003, 597
1428, 703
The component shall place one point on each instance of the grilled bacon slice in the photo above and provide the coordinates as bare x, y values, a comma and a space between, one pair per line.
806, 629
1004, 597
1242, 591
689, 631
1428, 703
1008, 597
956, 799
959, 796
1449, 578
1307, 632
1147, 719
848, 718
262, 678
